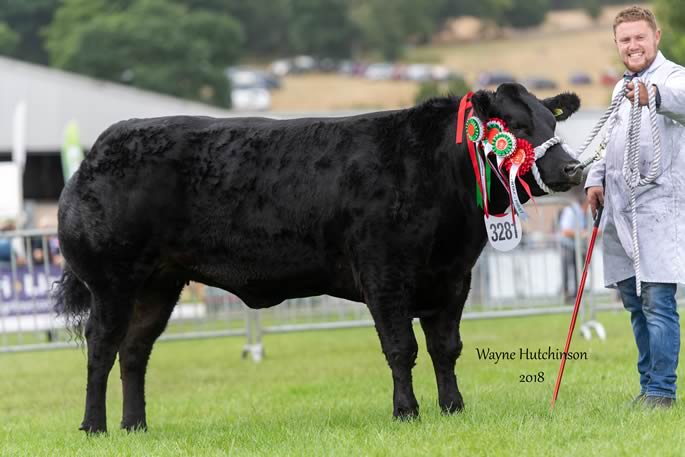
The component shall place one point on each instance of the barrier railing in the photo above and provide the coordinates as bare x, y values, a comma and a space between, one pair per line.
523, 282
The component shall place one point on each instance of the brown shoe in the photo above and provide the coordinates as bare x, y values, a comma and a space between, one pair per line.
658, 402
637, 401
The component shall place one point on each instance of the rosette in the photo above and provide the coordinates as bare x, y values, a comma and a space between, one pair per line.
523, 156
504, 144
474, 129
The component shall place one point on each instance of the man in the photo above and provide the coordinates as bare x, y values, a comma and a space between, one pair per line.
660, 206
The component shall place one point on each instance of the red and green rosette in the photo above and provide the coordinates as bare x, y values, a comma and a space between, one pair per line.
504, 144
523, 156
492, 128
474, 129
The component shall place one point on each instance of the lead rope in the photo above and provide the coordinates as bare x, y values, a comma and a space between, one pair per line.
631, 172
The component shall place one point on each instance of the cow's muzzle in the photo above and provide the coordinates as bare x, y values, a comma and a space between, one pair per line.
573, 173
562, 180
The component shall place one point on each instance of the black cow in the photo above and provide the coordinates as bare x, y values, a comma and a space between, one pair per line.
378, 208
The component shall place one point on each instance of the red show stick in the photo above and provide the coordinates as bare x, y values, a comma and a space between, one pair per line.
579, 297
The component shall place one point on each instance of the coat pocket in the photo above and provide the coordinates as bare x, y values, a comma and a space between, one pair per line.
648, 156
654, 198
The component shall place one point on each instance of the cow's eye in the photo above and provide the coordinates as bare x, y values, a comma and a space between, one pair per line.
520, 129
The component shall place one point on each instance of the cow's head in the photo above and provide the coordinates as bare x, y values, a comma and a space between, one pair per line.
529, 118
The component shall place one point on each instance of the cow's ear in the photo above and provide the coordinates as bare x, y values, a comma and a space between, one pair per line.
563, 105
483, 101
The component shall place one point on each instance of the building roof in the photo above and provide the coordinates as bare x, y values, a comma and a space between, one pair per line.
54, 97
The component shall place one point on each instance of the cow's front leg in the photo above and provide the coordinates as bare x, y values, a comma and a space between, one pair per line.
444, 346
393, 323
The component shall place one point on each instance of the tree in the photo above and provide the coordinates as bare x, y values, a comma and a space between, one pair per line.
671, 17
515, 13
456, 8
8, 39
380, 27
27, 19
321, 27
265, 23
592, 8
330, 28
525, 13
151, 44
388, 26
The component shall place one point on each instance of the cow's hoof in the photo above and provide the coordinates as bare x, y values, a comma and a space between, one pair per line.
134, 426
406, 414
452, 407
93, 429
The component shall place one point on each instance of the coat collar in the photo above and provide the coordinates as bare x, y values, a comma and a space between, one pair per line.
658, 61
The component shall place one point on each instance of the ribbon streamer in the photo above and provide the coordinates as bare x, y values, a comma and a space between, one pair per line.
516, 203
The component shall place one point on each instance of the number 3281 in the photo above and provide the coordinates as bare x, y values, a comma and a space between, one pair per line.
503, 231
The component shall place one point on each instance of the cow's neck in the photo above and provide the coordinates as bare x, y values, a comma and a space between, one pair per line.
432, 126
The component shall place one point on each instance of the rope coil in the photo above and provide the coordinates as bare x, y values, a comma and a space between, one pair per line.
631, 171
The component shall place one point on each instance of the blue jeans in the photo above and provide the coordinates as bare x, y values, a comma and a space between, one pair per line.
656, 327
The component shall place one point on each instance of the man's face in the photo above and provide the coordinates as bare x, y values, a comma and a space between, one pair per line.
637, 44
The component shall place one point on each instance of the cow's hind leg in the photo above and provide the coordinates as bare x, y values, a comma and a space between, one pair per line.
105, 329
151, 312
444, 345
389, 307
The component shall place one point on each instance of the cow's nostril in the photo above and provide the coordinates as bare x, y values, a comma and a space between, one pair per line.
572, 169
574, 172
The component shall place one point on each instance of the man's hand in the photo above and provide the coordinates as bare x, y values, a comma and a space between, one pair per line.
644, 96
595, 197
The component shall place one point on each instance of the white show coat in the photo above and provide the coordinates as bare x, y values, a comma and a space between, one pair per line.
660, 205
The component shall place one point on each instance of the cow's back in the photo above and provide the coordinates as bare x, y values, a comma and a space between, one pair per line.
230, 202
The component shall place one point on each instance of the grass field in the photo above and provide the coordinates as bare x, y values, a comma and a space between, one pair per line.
329, 393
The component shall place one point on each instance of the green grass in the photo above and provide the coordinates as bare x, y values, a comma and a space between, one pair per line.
329, 393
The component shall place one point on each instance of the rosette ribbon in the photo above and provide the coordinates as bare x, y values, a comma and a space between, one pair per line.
518, 163
492, 128
474, 129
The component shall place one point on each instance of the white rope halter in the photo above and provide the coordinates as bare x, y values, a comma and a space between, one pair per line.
539, 152
631, 171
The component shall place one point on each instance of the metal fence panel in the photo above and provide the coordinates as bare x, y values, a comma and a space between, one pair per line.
522, 282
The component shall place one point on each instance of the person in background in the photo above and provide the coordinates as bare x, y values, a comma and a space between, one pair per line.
41, 243
9, 246
572, 220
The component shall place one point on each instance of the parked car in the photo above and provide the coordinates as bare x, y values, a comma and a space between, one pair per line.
580, 79
303, 64
250, 88
380, 71
294, 65
246, 76
328, 65
280, 67
442, 73
250, 98
539, 82
495, 78
609, 77
418, 72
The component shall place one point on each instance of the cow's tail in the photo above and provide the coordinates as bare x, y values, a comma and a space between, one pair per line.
72, 300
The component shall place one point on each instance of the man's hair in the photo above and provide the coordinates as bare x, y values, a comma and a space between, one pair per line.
635, 13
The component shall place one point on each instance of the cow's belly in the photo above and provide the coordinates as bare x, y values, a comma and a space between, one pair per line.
268, 281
